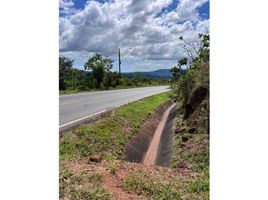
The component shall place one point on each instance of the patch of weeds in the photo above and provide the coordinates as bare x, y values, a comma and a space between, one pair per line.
198, 186
95, 178
114, 166
186, 155
80, 185
66, 147
110, 157
173, 164
92, 194
77, 179
64, 180
141, 184
69, 91
201, 160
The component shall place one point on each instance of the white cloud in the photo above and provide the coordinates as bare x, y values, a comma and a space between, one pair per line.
66, 6
136, 26
186, 9
66, 3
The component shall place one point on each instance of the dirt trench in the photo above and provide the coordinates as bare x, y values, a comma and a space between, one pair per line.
148, 139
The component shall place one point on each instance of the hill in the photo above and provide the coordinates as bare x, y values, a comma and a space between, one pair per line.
160, 73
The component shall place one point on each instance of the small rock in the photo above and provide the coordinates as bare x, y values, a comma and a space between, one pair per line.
95, 158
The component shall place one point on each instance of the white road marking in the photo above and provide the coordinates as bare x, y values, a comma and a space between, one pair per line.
77, 120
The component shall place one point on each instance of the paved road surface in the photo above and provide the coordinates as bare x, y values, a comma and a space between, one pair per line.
76, 108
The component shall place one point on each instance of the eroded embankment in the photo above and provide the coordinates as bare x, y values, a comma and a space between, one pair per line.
137, 147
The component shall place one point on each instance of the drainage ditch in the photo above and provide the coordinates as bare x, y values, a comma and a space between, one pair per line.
136, 149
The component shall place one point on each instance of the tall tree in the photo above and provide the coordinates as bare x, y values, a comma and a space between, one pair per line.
65, 66
100, 67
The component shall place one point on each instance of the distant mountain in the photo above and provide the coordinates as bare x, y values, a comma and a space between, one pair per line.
160, 73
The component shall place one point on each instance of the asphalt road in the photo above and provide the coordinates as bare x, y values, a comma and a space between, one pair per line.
77, 108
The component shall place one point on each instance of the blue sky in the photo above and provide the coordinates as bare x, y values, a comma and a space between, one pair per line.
146, 31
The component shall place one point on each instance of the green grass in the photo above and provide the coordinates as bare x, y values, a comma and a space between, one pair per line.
72, 91
109, 136
95, 178
92, 194
63, 92
200, 186
82, 185
141, 184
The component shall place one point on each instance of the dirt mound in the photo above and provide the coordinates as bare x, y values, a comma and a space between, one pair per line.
195, 98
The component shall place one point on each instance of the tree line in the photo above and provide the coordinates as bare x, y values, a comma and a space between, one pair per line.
97, 74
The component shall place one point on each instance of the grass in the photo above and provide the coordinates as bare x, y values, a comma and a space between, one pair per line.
200, 186
109, 136
63, 92
82, 185
142, 184
115, 164
191, 150
92, 194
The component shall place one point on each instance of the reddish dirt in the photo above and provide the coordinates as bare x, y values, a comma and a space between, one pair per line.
113, 184
151, 154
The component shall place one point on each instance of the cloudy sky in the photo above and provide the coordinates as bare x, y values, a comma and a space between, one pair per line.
146, 31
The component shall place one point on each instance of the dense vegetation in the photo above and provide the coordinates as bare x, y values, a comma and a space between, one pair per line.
97, 74
190, 85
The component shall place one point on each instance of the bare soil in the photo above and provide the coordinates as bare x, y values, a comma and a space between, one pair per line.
113, 182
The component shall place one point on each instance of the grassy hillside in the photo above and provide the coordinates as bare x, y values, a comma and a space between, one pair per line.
191, 148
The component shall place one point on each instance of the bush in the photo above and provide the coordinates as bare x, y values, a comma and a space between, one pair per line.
82, 88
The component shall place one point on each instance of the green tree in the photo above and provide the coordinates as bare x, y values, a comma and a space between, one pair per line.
100, 67
197, 72
183, 61
137, 78
204, 50
177, 70
65, 66
111, 79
